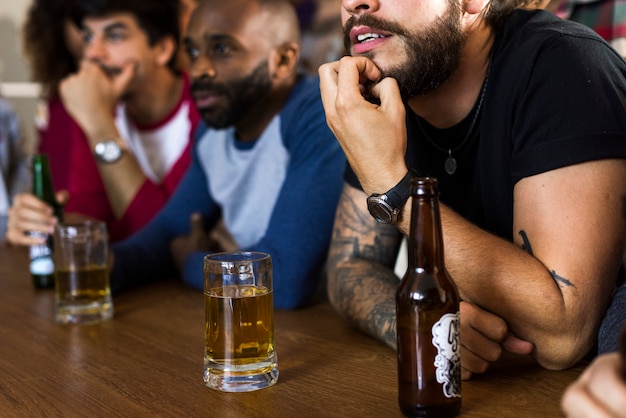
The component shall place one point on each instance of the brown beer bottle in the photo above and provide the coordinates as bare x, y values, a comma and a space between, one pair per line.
427, 315
41, 264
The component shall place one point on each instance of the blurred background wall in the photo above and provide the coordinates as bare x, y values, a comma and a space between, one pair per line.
15, 82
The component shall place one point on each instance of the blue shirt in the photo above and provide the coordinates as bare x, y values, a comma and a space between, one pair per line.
277, 195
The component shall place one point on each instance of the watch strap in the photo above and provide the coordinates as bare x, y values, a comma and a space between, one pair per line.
386, 208
397, 196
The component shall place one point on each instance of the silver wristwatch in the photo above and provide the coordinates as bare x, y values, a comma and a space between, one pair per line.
108, 151
385, 208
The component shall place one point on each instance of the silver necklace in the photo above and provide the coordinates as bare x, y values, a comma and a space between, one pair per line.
450, 164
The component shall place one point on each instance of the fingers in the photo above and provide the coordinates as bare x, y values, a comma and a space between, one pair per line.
123, 79
577, 403
353, 73
347, 76
62, 196
196, 224
515, 345
481, 334
607, 385
28, 213
599, 392
465, 374
328, 84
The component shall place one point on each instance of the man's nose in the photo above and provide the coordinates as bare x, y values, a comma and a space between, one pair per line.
95, 50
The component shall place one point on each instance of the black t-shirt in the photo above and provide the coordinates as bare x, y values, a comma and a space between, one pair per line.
555, 96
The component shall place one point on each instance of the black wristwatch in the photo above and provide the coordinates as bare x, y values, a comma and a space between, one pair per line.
108, 151
386, 207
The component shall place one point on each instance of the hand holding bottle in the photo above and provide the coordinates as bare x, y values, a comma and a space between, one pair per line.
29, 213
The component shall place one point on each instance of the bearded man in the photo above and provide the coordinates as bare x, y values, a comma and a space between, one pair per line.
264, 159
522, 118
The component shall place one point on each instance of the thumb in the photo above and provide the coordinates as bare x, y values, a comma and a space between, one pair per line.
123, 79
515, 345
62, 197
196, 224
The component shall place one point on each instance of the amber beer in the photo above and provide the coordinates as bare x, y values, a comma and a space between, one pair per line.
427, 315
92, 293
239, 327
239, 322
82, 285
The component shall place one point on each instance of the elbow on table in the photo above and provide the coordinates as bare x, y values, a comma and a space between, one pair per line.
563, 352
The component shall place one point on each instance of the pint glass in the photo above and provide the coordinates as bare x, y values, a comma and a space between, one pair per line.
83, 292
240, 355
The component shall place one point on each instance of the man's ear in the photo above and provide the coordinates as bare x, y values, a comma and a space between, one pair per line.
284, 60
165, 50
474, 7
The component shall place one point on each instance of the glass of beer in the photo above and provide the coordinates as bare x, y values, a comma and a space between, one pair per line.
239, 355
82, 287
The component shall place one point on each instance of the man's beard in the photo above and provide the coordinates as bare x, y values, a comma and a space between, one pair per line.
241, 95
433, 53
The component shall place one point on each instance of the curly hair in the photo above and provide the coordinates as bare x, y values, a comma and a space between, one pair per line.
158, 19
44, 43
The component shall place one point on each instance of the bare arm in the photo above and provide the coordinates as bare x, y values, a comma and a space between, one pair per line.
554, 298
573, 218
361, 282
362, 286
90, 97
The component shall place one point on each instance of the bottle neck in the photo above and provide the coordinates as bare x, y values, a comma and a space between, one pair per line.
425, 237
42, 184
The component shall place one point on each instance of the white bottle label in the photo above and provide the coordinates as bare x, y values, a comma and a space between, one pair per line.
448, 359
41, 257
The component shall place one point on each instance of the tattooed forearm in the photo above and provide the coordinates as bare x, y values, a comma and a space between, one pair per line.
383, 318
361, 281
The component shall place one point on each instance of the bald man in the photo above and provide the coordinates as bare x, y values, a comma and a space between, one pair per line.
264, 159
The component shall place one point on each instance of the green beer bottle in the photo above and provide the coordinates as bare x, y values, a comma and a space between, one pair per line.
41, 263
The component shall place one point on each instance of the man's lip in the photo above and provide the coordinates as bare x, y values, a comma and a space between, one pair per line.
204, 98
360, 48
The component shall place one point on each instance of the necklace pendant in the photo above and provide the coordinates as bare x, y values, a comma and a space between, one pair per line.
450, 165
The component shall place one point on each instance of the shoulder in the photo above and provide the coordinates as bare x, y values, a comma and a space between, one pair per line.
305, 99
535, 48
527, 35
303, 121
304, 109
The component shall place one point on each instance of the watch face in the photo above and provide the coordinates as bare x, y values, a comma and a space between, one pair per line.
380, 210
108, 151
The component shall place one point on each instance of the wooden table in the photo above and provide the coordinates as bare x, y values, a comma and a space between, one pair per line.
148, 361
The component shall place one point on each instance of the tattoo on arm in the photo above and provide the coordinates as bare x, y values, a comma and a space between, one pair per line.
526, 245
561, 279
361, 258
